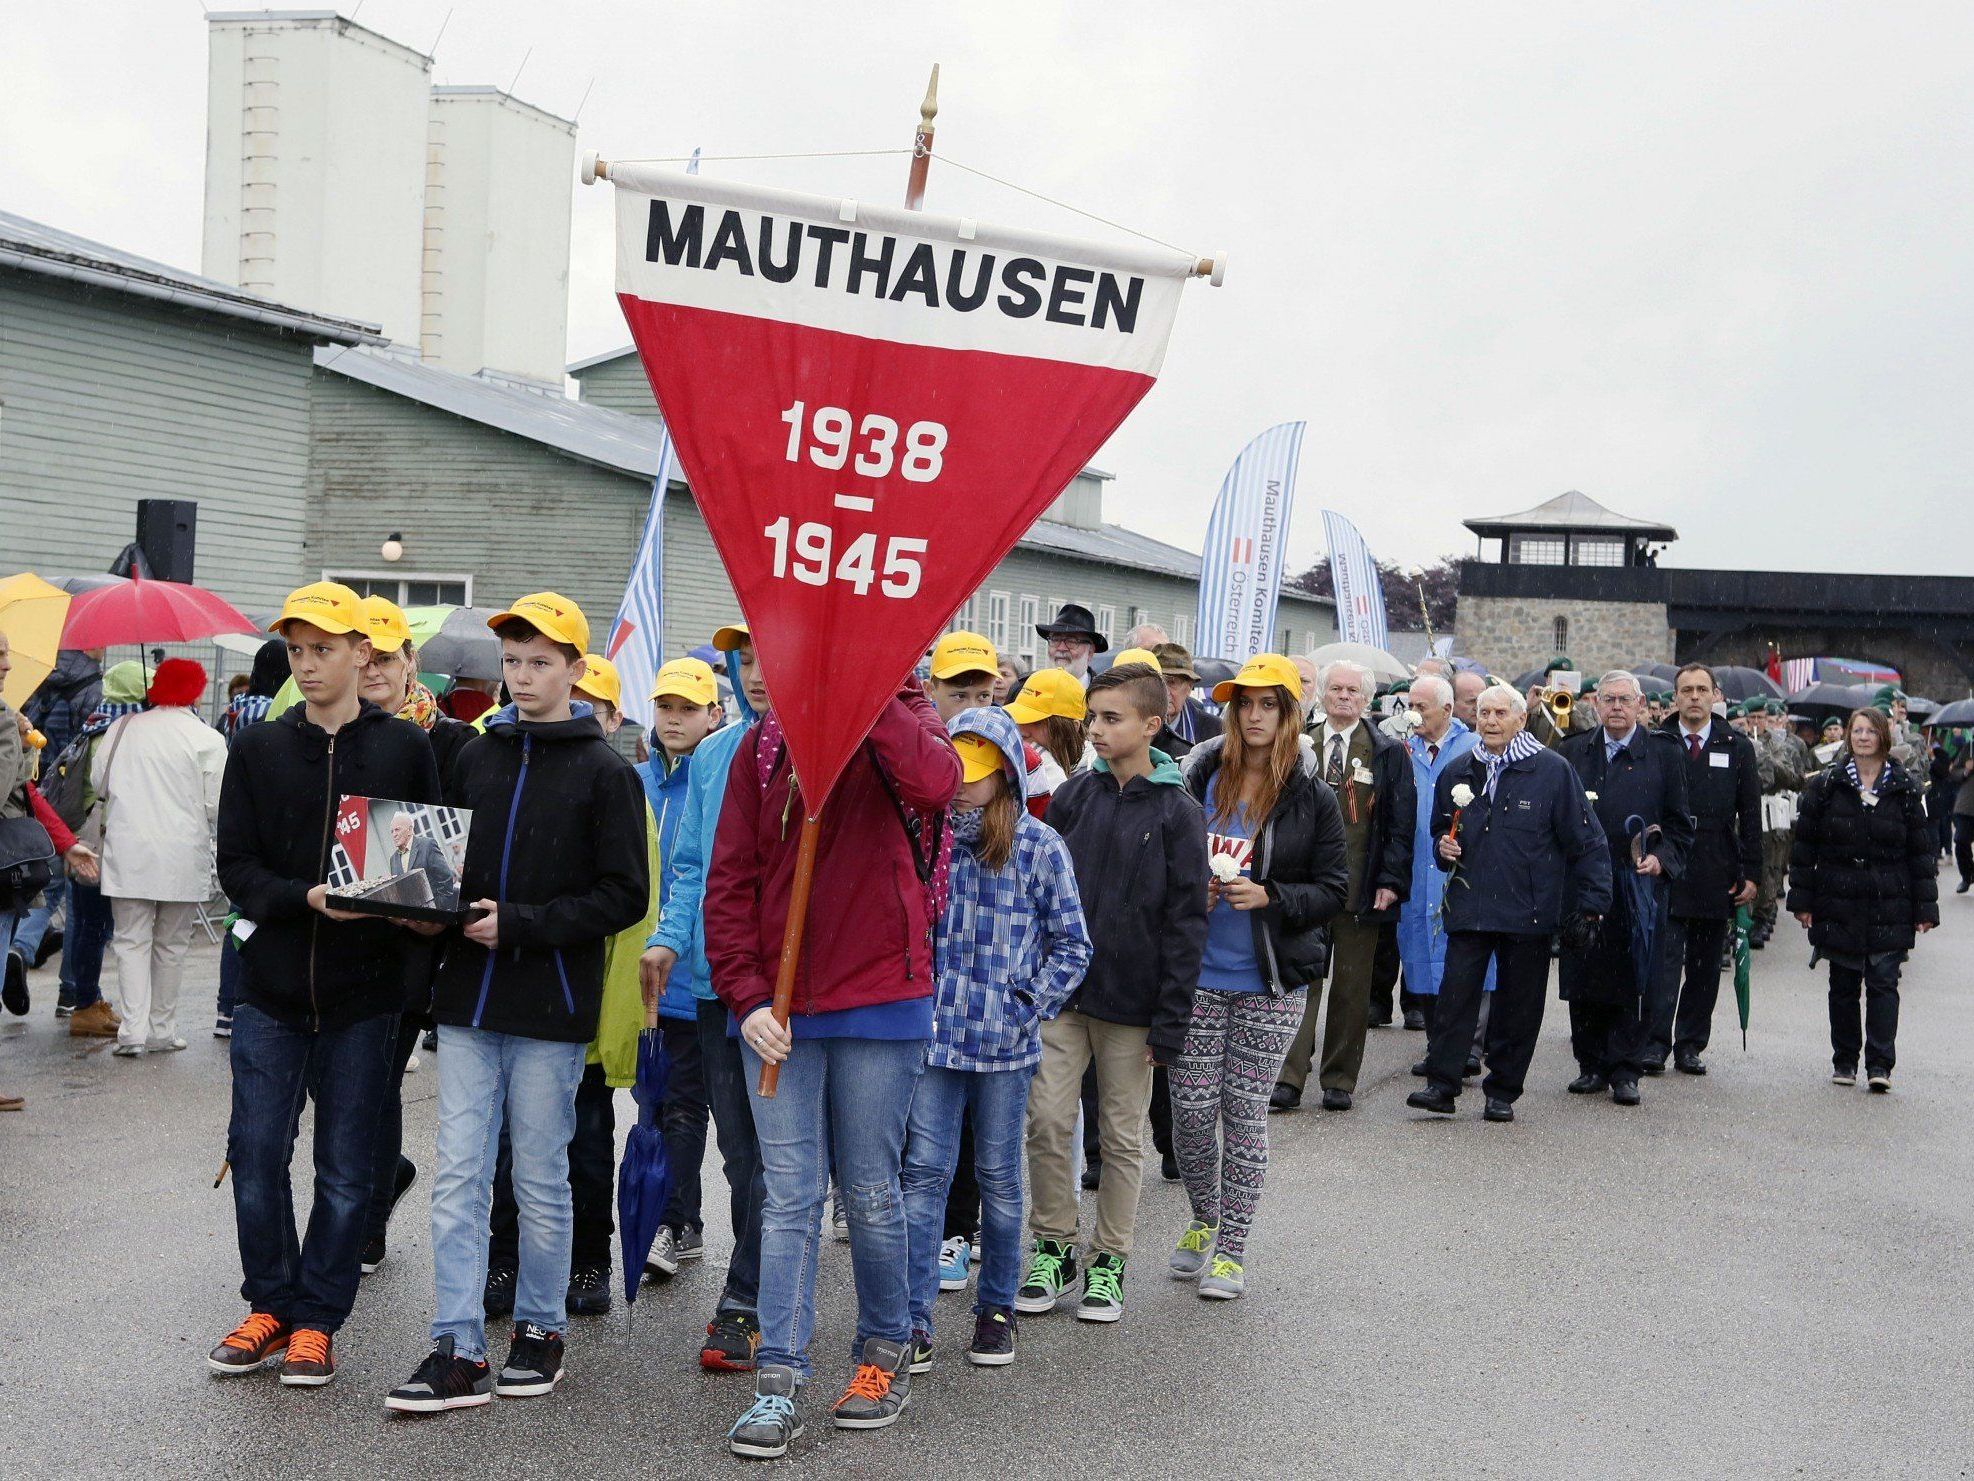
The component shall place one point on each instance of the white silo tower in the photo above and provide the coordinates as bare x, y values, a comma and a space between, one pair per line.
498, 182
315, 164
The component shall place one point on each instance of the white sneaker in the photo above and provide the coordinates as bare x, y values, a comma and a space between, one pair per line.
663, 1261
411, 1065
170, 1043
128, 1051
954, 1257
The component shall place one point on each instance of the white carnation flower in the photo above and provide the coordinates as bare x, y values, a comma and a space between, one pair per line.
1462, 795
1224, 868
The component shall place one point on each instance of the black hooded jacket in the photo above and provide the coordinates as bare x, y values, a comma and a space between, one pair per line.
558, 839
1865, 876
277, 814
1299, 859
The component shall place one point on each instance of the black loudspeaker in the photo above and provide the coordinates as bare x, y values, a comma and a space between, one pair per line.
167, 532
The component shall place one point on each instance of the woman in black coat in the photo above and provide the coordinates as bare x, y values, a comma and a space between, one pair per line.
1275, 842
1861, 879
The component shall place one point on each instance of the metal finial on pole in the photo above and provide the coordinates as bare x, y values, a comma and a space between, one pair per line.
922, 144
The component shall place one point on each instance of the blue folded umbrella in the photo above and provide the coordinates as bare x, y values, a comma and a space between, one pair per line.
644, 1181
1639, 895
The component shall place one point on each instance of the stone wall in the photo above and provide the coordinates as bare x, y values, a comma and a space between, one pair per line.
1925, 666
1513, 634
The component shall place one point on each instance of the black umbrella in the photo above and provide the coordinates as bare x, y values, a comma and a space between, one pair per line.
1917, 704
1745, 683
1665, 673
1960, 712
1822, 700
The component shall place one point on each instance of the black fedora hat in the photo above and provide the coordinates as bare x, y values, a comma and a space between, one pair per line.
1074, 622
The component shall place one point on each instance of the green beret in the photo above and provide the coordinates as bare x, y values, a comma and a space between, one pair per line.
1560, 661
1886, 694
1776, 706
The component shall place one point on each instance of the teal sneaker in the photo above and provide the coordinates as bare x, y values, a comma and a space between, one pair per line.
1189, 1259
770, 1424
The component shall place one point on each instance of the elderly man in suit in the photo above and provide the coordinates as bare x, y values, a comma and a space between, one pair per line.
1635, 779
411, 850
1372, 777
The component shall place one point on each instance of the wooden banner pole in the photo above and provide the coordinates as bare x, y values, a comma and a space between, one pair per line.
791, 939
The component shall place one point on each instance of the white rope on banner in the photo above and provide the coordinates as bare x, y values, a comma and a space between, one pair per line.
1051, 200
674, 159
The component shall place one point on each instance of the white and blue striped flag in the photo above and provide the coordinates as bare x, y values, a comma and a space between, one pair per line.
1354, 579
1240, 576
637, 637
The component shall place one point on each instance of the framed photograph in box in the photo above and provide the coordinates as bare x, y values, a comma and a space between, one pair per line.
399, 859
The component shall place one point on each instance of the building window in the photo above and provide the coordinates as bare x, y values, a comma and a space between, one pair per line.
963, 619
1560, 632
1027, 640
1536, 550
997, 620
1599, 552
408, 589
1182, 630
1288, 640
1106, 621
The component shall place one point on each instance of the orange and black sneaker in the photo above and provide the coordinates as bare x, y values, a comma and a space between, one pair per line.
310, 1364
879, 1391
731, 1339
258, 1341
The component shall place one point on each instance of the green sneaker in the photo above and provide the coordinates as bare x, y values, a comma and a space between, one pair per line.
1224, 1281
1189, 1259
1103, 1290
1050, 1272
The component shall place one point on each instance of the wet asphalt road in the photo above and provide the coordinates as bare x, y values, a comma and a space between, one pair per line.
1754, 1274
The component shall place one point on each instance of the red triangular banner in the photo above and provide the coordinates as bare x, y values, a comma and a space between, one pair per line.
871, 407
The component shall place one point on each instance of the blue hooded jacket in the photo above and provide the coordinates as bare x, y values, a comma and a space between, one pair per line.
681, 925
1013, 944
667, 791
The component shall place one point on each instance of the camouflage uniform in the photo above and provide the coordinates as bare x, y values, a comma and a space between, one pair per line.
1783, 764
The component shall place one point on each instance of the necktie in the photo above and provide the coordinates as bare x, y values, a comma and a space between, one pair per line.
1333, 773
1432, 752
1693, 746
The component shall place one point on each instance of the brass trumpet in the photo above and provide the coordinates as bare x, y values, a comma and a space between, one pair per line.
1555, 707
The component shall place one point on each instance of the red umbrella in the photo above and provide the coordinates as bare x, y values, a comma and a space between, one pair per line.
138, 611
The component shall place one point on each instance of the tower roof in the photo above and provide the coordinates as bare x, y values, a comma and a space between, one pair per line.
1571, 511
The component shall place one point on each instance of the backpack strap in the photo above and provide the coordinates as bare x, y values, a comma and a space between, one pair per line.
925, 850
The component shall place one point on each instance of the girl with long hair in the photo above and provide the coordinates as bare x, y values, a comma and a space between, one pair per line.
1862, 880
1276, 846
1012, 947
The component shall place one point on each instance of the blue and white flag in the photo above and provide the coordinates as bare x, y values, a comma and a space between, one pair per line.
1354, 579
637, 637
1240, 575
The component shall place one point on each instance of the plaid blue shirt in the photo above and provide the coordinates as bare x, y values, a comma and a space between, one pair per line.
1012, 947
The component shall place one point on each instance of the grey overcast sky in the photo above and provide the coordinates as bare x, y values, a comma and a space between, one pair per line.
1707, 262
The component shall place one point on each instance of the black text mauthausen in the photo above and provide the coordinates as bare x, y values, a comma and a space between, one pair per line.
878, 266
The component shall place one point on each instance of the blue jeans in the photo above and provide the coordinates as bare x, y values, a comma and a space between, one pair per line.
998, 1103
725, 1080
857, 1094
34, 925
83, 943
310, 1282
530, 1084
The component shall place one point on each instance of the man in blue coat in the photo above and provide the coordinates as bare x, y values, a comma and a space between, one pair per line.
1525, 856
1635, 779
1439, 744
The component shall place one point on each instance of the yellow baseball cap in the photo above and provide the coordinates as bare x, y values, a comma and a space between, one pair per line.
552, 615
1263, 671
733, 637
979, 757
329, 605
1049, 692
691, 679
1136, 655
384, 620
963, 653
600, 681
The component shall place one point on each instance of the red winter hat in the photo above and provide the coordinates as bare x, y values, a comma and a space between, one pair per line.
178, 681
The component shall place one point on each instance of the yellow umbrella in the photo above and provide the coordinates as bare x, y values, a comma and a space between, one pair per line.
31, 615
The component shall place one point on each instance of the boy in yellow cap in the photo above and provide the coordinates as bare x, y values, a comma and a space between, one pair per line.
962, 672
556, 864
320, 991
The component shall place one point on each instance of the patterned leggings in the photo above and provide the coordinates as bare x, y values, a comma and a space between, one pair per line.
1234, 1049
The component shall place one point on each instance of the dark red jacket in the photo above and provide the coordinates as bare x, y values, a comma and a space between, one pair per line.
869, 936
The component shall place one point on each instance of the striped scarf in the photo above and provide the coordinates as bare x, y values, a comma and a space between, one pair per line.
1519, 748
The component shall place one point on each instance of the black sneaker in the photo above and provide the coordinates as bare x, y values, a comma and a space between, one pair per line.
534, 1363
1051, 1270
372, 1255
920, 1353
1103, 1290
443, 1381
663, 1261
589, 1290
430, 1043
731, 1340
993, 1338
1168, 1168
498, 1298
1093, 1173
405, 1176
13, 995
878, 1393
64, 1002
51, 944
690, 1245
